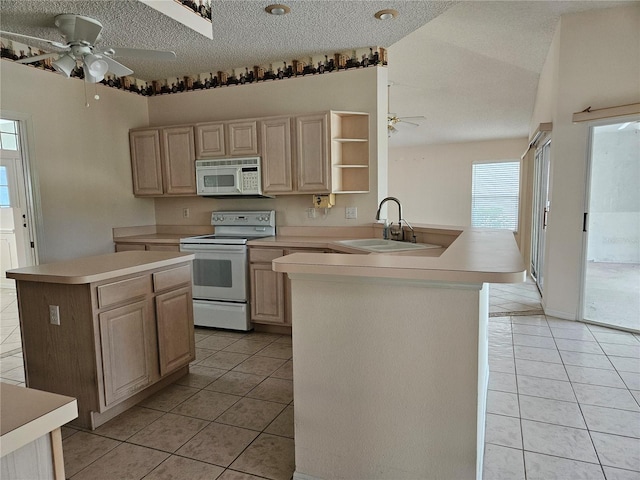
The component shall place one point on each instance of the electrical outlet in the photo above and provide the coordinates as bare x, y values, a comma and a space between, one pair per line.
351, 212
54, 314
185, 213
311, 212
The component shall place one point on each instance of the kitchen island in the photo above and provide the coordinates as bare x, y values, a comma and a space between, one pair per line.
109, 330
390, 358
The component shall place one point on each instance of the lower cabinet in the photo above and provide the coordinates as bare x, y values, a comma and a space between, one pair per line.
118, 340
271, 291
125, 336
176, 343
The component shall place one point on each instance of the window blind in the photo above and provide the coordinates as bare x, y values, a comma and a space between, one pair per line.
495, 195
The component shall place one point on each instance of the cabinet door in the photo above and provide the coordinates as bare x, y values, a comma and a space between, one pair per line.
275, 149
126, 363
243, 138
210, 140
312, 154
146, 162
176, 344
179, 157
267, 294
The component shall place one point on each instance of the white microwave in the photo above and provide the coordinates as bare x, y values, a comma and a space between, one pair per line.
229, 176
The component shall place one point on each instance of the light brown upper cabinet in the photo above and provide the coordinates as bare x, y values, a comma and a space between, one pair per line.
163, 161
227, 139
210, 140
313, 171
349, 152
276, 153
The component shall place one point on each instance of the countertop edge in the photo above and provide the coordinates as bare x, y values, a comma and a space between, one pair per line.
43, 273
65, 410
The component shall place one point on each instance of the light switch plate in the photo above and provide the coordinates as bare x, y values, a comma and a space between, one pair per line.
351, 212
54, 314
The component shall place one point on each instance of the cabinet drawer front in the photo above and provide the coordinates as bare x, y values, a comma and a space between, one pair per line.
170, 278
118, 292
264, 254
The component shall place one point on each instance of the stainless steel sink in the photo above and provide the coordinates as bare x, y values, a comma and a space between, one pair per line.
382, 245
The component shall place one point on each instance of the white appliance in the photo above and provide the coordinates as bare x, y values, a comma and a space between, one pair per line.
221, 267
229, 176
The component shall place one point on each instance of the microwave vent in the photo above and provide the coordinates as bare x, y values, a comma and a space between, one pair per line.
227, 162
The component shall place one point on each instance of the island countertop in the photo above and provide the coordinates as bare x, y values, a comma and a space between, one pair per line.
98, 267
475, 256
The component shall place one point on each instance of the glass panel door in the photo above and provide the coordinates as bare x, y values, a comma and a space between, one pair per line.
611, 287
541, 205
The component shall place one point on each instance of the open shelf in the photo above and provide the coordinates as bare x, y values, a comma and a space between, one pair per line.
349, 152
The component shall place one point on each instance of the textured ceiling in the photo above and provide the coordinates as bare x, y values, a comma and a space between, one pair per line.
244, 35
471, 67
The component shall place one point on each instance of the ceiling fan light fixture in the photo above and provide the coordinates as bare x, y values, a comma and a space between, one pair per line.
64, 65
95, 68
277, 9
387, 14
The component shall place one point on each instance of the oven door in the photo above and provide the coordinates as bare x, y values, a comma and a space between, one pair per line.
219, 272
219, 181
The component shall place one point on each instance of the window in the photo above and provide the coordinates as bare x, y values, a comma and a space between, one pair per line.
495, 194
4, 188
8, 135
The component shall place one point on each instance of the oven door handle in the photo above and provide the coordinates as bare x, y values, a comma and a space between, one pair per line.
213, 249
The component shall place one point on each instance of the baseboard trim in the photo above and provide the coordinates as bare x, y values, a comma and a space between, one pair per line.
558, 314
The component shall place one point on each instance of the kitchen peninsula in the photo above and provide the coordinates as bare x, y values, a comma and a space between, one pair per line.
390, 358
108, 330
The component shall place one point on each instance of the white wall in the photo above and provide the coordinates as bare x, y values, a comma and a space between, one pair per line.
80, 156
353, 90
433, 182
594, 61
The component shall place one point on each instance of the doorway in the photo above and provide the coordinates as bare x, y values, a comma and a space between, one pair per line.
541, 204
16, 237
611, 268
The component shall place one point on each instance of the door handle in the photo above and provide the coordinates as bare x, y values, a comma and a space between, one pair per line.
544, 218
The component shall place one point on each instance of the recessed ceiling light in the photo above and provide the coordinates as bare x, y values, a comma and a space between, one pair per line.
277, 9
386, 14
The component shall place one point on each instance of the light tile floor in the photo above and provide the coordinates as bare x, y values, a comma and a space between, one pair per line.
563, 402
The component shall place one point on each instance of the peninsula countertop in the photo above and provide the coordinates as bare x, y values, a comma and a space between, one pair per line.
475, 256
99, 267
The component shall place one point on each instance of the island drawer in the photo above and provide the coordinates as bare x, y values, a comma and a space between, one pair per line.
264, 254
118, 292
171, 278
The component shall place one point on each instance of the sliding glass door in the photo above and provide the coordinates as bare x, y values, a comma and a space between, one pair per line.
540, 211
611, 286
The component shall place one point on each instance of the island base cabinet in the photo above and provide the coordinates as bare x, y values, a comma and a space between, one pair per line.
118, 340
176, 341
126, 360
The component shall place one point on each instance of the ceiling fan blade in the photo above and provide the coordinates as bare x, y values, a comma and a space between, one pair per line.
140, 53
50, 42
86, 29
35, 58
408, 123
116, 68
419, 117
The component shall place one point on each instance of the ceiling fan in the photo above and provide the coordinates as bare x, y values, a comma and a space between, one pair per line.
81, 35
393, 119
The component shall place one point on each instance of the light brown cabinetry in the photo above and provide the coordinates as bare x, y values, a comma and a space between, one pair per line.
271, 291
157, 247
163, 161
119, 339
349, 152
238, 138
276, 152
312, 154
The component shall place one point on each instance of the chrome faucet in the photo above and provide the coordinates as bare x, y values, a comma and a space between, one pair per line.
400, 219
